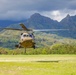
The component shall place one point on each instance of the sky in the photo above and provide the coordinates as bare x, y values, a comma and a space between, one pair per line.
23, 9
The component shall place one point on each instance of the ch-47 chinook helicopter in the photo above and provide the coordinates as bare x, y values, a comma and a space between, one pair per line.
27, 39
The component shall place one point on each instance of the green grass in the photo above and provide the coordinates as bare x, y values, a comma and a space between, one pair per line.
38, 65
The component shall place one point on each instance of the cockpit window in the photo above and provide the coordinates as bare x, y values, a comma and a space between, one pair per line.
21, 33
25, 35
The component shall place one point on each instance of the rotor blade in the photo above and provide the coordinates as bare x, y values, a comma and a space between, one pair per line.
44, 30
11, 29
24, 27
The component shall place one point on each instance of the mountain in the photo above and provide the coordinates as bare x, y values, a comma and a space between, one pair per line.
38, 21
69, 22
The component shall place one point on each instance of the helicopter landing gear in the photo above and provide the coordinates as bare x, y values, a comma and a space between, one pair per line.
34, 47
18, 46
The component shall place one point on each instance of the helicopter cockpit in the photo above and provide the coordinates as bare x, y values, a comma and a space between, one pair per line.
26, 36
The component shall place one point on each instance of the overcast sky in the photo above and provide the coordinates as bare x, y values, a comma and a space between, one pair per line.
22, 9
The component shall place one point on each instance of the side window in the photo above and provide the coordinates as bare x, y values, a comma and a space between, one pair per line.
21, 33
30, 35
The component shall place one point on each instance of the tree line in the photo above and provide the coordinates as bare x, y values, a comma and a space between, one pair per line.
54, 49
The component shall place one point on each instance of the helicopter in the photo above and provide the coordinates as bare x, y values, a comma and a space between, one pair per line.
27, 38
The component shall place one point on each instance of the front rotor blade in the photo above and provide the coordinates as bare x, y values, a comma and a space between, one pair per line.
24, 27
44, 30
11, 29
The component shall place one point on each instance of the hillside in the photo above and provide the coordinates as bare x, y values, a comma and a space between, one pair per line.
9, 38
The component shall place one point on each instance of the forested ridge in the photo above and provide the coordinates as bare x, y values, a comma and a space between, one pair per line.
46, 43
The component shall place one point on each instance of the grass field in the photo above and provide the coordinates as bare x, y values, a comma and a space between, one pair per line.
37, 64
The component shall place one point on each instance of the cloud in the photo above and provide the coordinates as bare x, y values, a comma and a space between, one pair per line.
22, 9
59, 14
16, 15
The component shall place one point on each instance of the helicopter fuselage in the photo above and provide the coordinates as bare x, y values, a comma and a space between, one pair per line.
27, 40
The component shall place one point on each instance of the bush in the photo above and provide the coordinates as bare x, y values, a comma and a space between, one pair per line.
63, 49
3, 51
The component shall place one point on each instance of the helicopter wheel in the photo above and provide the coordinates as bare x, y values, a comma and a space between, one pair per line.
16, 46
34, 47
